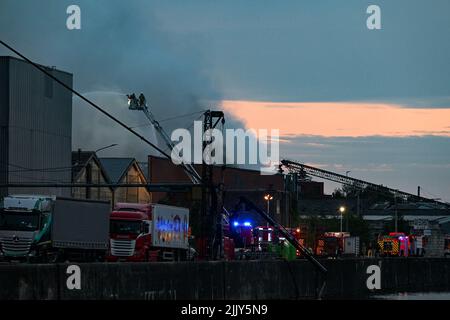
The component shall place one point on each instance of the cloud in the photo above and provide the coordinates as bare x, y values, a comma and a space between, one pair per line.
341, 119
317, 145
121, 48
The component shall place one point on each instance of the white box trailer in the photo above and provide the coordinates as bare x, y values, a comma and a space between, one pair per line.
170, 227
351, 246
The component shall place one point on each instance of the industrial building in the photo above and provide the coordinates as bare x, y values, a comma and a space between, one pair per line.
236, 182
35, 127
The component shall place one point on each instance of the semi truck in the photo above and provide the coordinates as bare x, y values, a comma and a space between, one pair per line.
149, 232
38, 228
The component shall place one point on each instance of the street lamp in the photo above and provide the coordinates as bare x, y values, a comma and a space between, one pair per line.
268, 197
103, 148
341, 210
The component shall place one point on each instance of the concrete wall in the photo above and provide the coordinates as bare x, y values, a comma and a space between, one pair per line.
221, 280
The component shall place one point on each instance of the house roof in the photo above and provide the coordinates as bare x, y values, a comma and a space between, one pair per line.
144, 167
79, 160
116, 168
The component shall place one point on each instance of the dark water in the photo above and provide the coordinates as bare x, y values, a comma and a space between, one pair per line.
415, 296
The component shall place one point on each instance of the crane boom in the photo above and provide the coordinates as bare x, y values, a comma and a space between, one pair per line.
141, 104
304, 170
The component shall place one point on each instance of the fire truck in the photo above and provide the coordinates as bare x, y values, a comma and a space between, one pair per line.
336, 244
396, 244
299, 236
258, 242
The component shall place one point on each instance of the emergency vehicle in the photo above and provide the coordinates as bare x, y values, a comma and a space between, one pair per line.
394, 244
335, 244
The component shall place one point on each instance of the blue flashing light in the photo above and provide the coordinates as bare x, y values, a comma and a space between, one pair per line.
236, 224
247, 224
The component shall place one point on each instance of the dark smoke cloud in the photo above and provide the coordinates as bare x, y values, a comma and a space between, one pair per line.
121, 48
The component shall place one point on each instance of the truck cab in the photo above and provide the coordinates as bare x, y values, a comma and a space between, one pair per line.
24, 224
149, 232
130, 232
51, 229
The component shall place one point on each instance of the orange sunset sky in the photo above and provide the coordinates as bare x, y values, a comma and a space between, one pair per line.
341, 119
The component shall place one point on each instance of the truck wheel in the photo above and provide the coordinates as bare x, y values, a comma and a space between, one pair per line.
53, 257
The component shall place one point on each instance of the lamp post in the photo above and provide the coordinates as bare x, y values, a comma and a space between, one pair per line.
106, 147
342, 210
268, 197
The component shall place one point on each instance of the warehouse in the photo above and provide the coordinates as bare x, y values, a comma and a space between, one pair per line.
35, 127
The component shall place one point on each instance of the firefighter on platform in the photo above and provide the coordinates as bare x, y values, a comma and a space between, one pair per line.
142, 100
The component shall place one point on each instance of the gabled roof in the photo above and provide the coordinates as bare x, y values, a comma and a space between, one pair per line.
144, 168
79, 160
116, 168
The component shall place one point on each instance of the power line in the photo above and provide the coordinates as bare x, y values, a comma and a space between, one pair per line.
88, 101
160, 187
24, 169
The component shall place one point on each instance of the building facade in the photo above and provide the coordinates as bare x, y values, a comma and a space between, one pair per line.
123, 171
35, 128
86, 168
236, 182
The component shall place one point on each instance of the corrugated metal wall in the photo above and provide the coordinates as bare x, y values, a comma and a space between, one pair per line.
4, 115
40, 128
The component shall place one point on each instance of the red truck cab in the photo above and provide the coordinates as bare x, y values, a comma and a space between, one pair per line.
130, 237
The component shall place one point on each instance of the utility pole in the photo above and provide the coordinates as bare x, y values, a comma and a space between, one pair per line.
341, 211
358, 204
346, 222
396, 213
211, 218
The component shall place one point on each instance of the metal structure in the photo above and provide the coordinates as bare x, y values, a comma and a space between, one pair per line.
155, 187
292, 240
209, 213
141, 104
304, 171
211, 220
